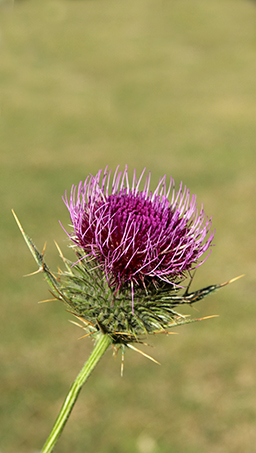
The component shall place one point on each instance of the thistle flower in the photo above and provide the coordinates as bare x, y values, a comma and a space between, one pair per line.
134, 249
138, 236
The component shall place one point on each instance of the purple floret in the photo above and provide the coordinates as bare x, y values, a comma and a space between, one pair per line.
137, 235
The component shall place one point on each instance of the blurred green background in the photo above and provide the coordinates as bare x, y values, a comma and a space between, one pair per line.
169, 85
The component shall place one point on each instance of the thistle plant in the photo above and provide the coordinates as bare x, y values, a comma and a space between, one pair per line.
135, 249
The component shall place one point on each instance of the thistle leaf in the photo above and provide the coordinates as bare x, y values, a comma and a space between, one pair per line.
39, 257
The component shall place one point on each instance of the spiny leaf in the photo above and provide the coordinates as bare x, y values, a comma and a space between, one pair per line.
39, 257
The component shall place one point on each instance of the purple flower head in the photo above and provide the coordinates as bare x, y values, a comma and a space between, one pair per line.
134, 235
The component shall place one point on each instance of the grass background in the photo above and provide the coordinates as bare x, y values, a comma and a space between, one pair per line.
169, 85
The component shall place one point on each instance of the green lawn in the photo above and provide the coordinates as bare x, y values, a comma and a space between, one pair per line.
167, 85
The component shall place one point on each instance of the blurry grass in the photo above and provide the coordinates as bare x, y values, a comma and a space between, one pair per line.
166, 85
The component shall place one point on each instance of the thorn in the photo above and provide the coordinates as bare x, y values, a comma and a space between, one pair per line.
59, 250
41, 269
59, 274
165, 332
207, 317
231, 281
47, 300
121, 333
86, 335
122, 361
76, 324
17, 221
84, 321
44, 249
190, 321
142, 353
115, 350
82, 327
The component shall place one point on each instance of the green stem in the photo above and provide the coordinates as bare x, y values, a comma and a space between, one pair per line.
100, 347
